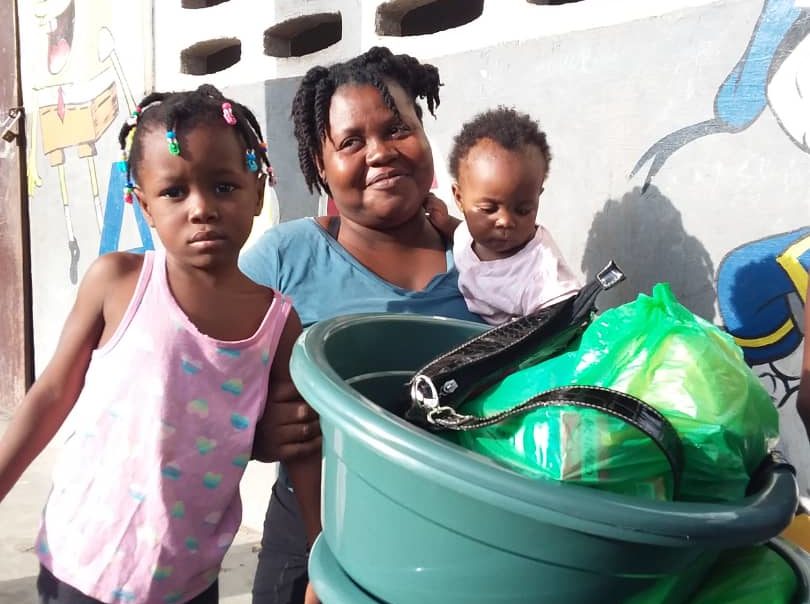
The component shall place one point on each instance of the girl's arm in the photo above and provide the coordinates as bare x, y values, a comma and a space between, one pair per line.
803, 400
50, 399
303, 469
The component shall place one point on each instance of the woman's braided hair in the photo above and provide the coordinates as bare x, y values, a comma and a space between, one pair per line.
310, 108
182, 111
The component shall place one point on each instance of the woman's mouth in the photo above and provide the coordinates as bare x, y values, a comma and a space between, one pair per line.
386, 180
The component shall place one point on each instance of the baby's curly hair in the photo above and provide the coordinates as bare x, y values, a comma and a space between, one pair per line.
504, 125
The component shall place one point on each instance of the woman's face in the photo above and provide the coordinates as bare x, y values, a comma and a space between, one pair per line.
378, 165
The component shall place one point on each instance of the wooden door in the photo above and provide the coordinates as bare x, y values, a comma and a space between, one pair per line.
16, 362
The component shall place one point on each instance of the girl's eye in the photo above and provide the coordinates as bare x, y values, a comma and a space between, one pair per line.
488, 209
225, 188
524, 211
172, 192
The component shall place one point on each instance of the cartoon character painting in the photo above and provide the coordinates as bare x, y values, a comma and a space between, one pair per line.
77, 88
762, 284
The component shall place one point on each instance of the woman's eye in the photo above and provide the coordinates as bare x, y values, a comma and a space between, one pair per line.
400, 130
225, 188
349, 143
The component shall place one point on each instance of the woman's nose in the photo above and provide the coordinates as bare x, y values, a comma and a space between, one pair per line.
380, 151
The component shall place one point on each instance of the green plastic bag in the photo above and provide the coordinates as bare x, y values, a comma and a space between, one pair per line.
751, 575
658, 351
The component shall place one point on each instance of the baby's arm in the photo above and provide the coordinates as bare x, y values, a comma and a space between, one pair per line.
803, 400
304, 469
50, 399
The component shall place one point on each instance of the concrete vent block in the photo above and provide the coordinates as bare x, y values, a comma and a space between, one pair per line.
421, 17
210, 56
303, 35
200, 3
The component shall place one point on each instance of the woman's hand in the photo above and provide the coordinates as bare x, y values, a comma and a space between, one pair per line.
289, 430
439, 216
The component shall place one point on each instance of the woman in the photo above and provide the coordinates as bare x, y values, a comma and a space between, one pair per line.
360, 140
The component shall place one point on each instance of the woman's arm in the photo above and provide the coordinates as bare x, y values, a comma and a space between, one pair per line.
302, 457
803, 400
50, 399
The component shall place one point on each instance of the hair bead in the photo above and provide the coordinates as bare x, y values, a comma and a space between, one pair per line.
250, 157
227, 113
174, 146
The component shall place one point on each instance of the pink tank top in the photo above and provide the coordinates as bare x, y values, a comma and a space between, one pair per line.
145, 498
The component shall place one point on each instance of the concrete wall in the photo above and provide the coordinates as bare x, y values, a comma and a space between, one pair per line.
83, 70
678, 129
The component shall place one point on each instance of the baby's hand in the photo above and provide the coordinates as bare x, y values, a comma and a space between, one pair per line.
439, 216
310, 597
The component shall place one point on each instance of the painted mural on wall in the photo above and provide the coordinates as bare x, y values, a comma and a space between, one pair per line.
761, 284
78, 90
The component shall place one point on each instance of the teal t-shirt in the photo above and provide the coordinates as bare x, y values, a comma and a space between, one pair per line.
301, 260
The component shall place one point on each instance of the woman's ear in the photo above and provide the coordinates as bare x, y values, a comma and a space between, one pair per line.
457, 196
319, 167
261, 183
144, 206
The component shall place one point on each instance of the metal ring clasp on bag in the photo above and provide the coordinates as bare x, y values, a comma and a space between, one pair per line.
431, 401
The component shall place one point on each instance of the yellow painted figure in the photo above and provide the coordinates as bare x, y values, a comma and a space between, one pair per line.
77, 86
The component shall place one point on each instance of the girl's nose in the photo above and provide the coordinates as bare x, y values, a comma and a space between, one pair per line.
202, 208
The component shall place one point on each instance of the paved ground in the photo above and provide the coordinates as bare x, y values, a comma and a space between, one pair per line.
19, 518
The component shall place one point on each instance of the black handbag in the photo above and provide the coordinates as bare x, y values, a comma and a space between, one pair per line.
438, 388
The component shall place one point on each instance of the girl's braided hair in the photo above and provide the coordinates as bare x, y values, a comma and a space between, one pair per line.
182, 111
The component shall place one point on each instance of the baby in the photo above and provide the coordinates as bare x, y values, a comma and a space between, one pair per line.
509, 266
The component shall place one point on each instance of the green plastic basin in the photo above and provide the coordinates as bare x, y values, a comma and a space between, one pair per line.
412, 518
334, 586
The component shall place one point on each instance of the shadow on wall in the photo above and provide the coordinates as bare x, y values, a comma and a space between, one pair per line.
643, 232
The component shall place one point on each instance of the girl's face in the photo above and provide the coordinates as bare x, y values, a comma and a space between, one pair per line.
378, 166
498, 191
203, 201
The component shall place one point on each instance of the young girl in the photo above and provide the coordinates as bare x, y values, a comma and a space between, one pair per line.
509, 266
170, 360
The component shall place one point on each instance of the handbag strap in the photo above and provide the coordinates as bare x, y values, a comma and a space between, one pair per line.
452, 377
628, 408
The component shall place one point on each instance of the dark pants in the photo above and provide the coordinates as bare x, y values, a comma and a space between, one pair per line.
281, 575
53, 591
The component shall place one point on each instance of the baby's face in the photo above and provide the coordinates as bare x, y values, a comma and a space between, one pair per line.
498, 190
